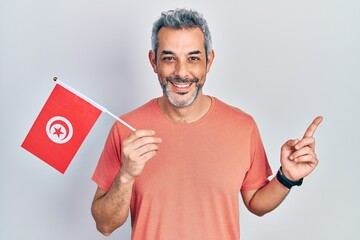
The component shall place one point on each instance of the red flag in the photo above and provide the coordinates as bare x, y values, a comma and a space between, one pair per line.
61, 127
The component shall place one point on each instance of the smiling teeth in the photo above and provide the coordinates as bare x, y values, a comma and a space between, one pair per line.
182, 85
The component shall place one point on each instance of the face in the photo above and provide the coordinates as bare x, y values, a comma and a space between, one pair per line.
181, 64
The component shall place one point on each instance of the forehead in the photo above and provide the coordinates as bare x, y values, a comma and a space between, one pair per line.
182, 39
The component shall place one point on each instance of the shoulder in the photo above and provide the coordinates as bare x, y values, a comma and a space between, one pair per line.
233, 121
140, 117
143, 110
226, 112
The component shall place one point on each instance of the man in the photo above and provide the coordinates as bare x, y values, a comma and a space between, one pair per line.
181, 179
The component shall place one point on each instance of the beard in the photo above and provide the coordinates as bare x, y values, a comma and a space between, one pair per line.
184, 101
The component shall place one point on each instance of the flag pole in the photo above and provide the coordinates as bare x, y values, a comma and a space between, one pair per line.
95, 104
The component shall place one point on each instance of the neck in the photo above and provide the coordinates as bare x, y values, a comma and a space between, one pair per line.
188, 114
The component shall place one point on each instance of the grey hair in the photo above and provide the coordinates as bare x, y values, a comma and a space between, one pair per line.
181, 19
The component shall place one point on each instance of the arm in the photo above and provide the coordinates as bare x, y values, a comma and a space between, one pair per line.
265, 199
298, 159
110, 209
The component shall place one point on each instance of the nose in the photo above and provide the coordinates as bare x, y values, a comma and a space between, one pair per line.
181, 70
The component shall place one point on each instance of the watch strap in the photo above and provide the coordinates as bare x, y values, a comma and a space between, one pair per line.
287, 182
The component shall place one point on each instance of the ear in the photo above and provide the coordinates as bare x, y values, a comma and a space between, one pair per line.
153, 61
210, 60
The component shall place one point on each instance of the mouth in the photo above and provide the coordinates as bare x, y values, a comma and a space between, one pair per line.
181, 86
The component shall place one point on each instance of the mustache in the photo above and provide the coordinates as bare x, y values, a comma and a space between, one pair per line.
180, 80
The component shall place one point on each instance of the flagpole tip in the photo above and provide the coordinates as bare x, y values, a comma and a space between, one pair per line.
55, 78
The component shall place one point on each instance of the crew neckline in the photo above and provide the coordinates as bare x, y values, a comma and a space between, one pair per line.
158, 110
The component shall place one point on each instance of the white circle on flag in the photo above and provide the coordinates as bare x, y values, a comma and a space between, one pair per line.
59, 129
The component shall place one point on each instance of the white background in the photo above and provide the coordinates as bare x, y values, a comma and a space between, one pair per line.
284, 62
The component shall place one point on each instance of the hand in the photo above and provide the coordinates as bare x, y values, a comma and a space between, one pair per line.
298, 158
137, 149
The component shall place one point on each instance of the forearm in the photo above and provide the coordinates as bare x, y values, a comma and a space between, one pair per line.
111, 210
298, 159
268, 197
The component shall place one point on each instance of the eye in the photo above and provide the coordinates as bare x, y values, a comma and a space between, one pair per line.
194, 58
168, 59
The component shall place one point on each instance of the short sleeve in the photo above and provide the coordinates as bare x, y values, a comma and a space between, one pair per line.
110, 160
259, 171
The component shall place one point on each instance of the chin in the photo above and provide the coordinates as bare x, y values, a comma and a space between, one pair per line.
181, 99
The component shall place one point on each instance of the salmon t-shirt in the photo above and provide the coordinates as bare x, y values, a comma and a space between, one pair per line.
190, 189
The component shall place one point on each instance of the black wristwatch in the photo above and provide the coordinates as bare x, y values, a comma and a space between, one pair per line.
287, 182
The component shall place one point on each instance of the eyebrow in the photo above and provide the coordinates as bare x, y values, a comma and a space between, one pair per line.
165, 52
195, 52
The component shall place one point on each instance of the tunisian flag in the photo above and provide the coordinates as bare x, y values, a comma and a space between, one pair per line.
61, 127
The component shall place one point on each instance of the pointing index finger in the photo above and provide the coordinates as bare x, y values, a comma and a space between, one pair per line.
313, 126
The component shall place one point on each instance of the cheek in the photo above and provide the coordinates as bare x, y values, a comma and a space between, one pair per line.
166, 67
200, 74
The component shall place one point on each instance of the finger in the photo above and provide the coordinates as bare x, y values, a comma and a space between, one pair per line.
302, 152
141, 142
148, 155
147, 148
308, 141
139, 134
140, 147
307, 159
290, 144
313, 126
